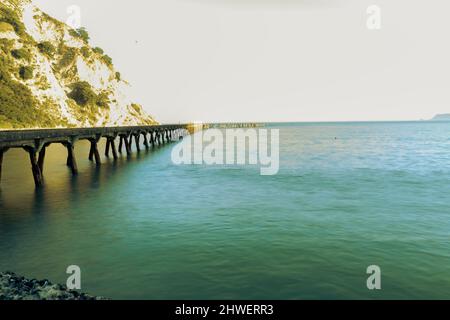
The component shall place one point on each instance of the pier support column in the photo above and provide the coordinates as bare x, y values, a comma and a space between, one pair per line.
162, 137
37, 174
112, 144
152, 140
167, 136
2, 151
108, 145
71, 160
130, 141
41, 158
145, 140
120, 144
136, 140
93, 153
127, 141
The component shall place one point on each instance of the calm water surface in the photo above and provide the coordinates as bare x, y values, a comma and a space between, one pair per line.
144, 228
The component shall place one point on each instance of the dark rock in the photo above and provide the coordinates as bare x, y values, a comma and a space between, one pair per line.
13, 287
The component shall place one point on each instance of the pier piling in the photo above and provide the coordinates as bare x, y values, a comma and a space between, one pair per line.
136, 139
113, 148
71, 160
145, 140
41, 158
2, 151
120, 143
127, 141
108, 144
152, 140
37, 174
94, 154
130, 141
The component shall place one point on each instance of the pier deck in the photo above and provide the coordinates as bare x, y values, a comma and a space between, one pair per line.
36, 141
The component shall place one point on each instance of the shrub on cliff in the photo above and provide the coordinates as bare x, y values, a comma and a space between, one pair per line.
25, 72
82, 93
85, 51
47, 48
80, 33
21, 54
102, 100
98, 50
69, 55
11, 17
107, 60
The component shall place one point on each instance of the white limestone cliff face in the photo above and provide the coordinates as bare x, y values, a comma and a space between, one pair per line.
71, 83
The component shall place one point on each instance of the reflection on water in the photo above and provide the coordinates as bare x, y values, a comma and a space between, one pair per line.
347, 196
17, 192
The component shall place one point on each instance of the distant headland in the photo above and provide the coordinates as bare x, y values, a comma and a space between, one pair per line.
441, 117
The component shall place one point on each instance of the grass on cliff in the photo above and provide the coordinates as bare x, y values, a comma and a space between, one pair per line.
69, 54
6, 45
6, 27
18, 107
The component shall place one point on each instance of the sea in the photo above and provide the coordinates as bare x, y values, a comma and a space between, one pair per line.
347, 196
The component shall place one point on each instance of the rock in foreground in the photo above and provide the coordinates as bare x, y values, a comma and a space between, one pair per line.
14, 287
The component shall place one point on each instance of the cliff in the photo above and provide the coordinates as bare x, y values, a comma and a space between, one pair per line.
51, 77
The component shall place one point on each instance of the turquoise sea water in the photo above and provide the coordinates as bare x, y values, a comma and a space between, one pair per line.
348, 195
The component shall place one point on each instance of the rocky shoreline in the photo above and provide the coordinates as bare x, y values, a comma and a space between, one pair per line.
14, 287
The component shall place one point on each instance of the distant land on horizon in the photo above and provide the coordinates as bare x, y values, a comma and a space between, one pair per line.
441, 117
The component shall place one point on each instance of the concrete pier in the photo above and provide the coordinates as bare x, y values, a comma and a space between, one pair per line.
35, 142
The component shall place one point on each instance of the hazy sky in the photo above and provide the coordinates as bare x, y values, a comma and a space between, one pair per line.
275, 60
